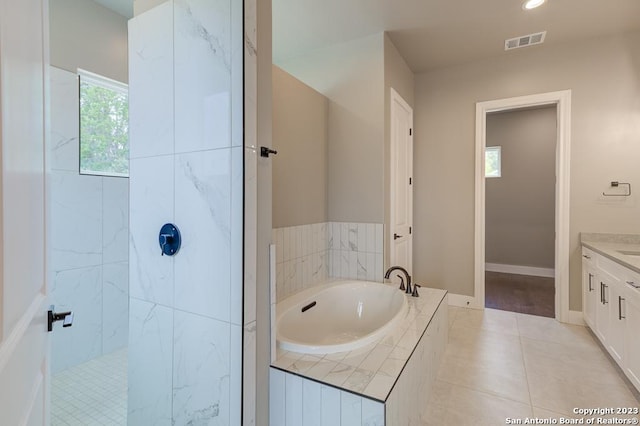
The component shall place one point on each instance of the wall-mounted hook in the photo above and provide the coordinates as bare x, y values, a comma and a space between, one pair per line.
266, 151
616, 184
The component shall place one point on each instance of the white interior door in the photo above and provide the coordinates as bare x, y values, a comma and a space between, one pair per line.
401, 175
23, 290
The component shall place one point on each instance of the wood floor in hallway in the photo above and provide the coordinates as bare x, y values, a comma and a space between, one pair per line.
520, 293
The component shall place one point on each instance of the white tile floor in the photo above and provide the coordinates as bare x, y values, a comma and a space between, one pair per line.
497, 365
93, 393
501, 365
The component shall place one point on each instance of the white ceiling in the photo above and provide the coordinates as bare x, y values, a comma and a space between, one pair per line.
437, 33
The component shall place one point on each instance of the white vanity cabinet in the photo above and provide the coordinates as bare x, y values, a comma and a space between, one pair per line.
631, 311
611, 308
610, 322
617, 323
603, 318
590, 289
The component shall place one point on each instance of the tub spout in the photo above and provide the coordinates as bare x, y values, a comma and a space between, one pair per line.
406, 274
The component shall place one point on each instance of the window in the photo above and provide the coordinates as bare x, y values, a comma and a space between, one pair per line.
104, 126
492, 165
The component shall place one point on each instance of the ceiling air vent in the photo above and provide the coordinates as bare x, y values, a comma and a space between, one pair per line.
523, 41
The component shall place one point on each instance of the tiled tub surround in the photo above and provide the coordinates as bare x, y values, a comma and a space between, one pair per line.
393, 376
186, 320
308, 255
89, 241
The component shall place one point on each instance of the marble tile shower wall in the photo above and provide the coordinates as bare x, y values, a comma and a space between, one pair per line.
185, 338
308, 255
356, 251
89, 241
302, 258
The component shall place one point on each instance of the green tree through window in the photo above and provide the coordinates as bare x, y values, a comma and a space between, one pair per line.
104, 126
492, 161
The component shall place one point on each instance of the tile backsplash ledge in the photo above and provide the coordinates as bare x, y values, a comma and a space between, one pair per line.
308, 255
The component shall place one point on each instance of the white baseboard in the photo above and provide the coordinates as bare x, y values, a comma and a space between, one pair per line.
520, 270
463, 301
575, 317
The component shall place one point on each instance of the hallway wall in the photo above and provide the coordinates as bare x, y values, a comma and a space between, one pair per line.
520, 205
604, 148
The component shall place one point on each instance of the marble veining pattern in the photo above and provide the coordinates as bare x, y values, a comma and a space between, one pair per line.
202, 75
309, 255
89, 240
115, 220
187, 168
151, 77
151, 206
203, 212
372, 370
150, 377
115, 306
79, 290
64, 120
201, 370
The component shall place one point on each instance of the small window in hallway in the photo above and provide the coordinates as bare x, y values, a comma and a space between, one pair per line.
104, 126
492, 165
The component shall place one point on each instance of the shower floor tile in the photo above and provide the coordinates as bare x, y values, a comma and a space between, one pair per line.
93, 393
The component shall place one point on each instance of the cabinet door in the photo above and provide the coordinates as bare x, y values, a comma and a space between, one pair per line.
604, 281
618, 305
590, 293
632, 349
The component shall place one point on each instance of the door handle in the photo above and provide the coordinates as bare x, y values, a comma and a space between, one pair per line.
604, 294
396, 236
590, 277
620, 299
65, 317
601, 292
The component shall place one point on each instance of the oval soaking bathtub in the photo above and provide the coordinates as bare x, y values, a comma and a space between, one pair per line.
339, 316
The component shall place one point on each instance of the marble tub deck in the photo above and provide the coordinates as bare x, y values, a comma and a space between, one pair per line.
372, 370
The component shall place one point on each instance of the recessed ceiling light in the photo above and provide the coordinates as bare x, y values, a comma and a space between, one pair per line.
532, 4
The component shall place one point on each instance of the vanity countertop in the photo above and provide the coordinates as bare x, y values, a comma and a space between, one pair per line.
613, 247
370, 371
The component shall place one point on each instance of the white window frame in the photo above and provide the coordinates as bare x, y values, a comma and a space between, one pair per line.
107, 83
492, 150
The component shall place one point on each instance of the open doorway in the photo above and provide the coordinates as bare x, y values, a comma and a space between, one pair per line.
88, 158
520, 210
562, 102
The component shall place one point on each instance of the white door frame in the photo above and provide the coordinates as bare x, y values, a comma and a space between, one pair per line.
396, 98
562, 100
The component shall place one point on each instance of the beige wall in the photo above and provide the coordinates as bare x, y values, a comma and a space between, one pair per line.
604, 76
300, 118
351, 75
520, 205
84, 34
397, 75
